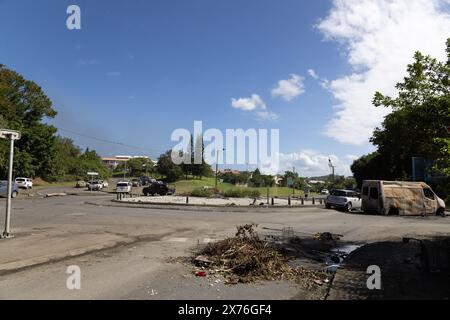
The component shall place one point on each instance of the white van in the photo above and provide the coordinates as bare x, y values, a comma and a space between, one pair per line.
400, 198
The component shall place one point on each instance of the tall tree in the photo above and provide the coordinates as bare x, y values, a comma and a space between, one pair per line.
167, 168
416, 125
23, 107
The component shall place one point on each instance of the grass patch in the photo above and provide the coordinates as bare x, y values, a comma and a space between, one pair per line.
185, 187
201, 193
241, 193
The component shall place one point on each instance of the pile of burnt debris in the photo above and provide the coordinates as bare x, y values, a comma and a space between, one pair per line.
247, 258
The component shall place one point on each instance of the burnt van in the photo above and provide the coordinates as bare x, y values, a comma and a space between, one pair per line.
400, 198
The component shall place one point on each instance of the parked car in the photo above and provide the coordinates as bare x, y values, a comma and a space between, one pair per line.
95, 185
325, 192
105, 184
24, 183
400, 198
136, 182
4, 189
159, 188
123, 187
81, 184
344, 199
146, 181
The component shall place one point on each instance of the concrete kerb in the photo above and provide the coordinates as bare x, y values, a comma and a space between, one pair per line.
194, 207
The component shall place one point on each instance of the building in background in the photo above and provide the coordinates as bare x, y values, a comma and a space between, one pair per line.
114, 162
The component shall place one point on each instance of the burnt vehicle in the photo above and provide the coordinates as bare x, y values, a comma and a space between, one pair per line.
159, 188
401, 198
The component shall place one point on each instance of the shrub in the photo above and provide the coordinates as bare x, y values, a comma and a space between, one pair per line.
201, 193
241, 193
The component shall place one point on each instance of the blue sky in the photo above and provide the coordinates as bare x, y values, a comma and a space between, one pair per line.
137, 70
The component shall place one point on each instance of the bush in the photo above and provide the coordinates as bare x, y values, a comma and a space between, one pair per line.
201, 193
241, 193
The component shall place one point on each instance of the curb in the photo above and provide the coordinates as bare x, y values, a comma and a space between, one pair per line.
192, 207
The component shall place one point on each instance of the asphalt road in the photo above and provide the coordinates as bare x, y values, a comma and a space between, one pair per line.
140, 269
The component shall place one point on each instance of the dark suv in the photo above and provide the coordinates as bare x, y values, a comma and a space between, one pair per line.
159, 188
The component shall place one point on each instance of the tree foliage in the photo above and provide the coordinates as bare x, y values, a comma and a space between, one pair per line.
23, 107
416, 125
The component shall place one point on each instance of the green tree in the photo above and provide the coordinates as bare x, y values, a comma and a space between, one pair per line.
202, 169
23, 107
416, 125
168, 169
140, 166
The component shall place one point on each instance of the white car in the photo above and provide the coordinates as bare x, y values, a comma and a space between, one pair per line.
123, 187
325, 192
105, 184
95, 186
344, 199
24, 183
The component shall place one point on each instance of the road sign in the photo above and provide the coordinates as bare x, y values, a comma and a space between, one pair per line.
10, 134
290, 182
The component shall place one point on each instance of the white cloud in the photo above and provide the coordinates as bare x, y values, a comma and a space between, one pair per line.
379, 38
313, 74
289, 89
254, 104
308, 163
248, 104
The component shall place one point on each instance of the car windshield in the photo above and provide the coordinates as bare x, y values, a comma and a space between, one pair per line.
20, 180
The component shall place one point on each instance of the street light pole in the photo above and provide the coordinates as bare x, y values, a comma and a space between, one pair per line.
293, 183
7, 232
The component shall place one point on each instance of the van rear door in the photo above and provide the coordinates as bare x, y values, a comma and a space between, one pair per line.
371, 196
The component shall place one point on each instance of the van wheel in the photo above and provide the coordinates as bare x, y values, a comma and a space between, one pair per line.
349, 207
440, 212
327, 206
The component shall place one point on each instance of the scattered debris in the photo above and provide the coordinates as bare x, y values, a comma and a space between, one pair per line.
327, 236
246, 258
201, 274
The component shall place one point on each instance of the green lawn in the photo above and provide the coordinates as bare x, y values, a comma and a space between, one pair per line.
186, 186
42, 184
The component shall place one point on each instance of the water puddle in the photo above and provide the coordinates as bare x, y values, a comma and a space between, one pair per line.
338, 256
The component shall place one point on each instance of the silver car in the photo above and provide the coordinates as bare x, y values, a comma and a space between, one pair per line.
4, 189
344, 199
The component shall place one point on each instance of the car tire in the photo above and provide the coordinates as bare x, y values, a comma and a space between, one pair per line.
440, 212
327, 206
348, 207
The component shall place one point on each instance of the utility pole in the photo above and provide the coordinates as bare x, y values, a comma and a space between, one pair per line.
11, 136
217, 167
293, 183
330, 164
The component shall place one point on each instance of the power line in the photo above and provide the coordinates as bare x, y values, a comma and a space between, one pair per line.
109, 141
